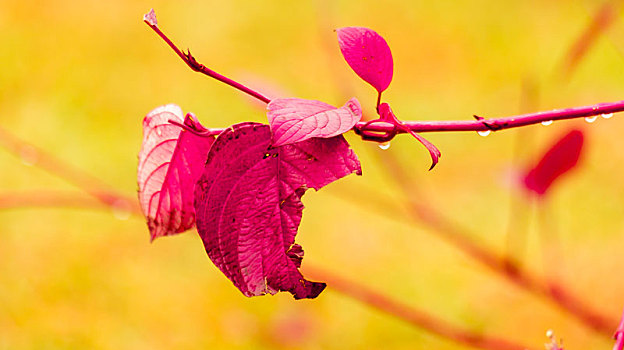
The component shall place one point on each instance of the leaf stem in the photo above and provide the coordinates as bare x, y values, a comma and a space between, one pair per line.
198, 67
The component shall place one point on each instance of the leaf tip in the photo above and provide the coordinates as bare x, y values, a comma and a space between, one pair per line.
314, 289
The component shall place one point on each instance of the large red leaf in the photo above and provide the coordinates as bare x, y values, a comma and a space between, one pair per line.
368, 54
558, 160
170, 162
294, 119
248, 205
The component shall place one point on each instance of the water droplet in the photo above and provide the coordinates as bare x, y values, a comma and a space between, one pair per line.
384, 146
591, 119
158, 131
29, 155
547, 122
550, 333
607, 115
484, 132
121, 209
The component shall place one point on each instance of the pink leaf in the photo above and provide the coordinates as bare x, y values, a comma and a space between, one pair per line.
294, 119
248, 204
368, 54
559, 159
170, 162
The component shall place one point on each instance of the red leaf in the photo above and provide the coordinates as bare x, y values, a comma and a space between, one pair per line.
170, 162
559, 159
248, 204
294, 119
368, 54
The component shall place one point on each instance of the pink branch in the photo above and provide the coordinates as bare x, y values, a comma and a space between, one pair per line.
150, 20
51, 199
91, 185
425, 214
619, 335
495, 124
492, 124
600, 23
416, 317
363, 128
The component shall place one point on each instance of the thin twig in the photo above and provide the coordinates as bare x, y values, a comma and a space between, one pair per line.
49, 199
482, 124
604, 17
424, 213
81, 179
150, 20
416, 317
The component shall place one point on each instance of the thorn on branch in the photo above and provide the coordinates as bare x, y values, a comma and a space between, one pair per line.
489, 125
192, 62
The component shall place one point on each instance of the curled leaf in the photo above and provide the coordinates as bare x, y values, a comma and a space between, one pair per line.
170, 162
559, 159
294, 119
386, 115
368, 54
248, 205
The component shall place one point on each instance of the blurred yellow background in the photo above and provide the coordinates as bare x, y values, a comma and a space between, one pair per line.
76, 78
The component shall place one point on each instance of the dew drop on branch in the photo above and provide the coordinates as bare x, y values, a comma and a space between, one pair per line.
121, 209
484, 132
29, 155
385, 145
547, 122
591, 119
607, 115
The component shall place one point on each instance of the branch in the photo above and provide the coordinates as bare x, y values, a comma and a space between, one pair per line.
64, 200
424, 213
150, 20
482, 124
416, 317
495, 124
49, 199
389, 129
91, 185
604, 17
